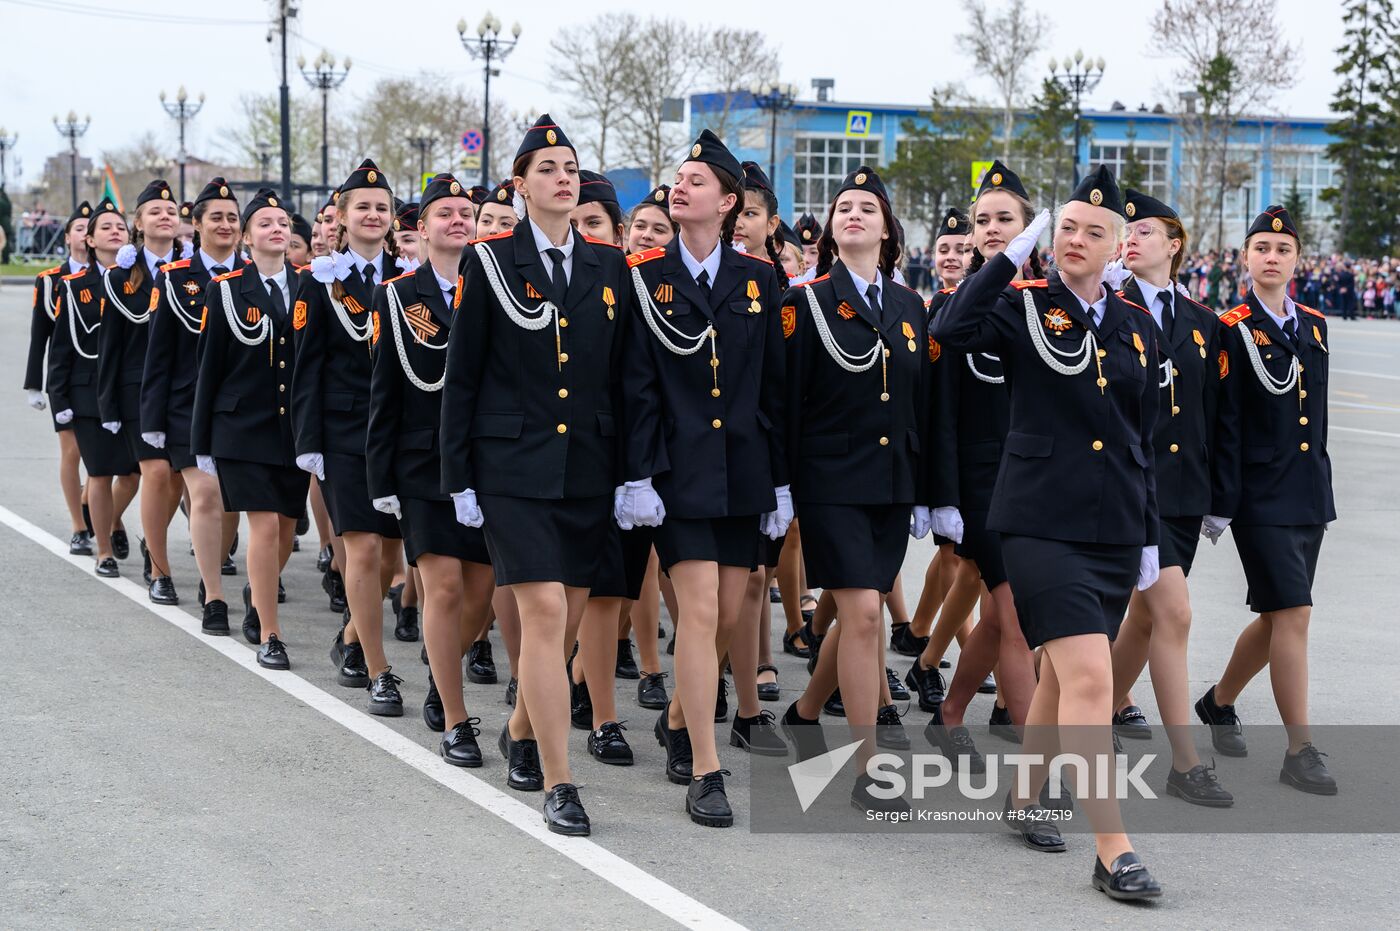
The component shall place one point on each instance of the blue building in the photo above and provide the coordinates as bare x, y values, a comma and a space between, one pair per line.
820, 141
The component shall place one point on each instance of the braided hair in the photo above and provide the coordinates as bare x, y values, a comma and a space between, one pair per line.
389, 247
772, 243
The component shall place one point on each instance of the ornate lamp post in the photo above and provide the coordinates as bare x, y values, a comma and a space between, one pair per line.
1079, 76
488, 46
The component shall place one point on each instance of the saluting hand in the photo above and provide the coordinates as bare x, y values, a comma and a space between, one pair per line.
1020, 248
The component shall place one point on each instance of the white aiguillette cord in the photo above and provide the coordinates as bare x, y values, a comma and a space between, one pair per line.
395, 310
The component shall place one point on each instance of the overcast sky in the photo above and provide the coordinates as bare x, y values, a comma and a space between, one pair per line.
111, 58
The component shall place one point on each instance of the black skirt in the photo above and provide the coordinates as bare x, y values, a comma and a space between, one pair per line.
854, 545
770, 550
346, 492
940, 540
431, 527
139, 448
1279, 564
105, 454
623, 566
728, 541
257, 486
1176, 542
983, 547
1064, 589
180, 457
546, 540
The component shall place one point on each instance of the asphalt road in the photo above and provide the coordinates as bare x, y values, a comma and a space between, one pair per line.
150, 777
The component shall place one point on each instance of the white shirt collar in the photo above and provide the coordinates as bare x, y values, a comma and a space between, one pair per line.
1095, 310
447, 287
360, 263
279, 279
154, 262
862, 285
695, 266
1290, 310
75, 266
542, 242
209, 262
1150, 293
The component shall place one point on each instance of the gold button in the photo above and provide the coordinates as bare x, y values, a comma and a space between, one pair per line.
1303, 421
714, 392
1175, 410
1098, 445
282, 365
668, 312
716, 423
281, 410
1102, 382
1174, 448
563, 321
281, 387
562, 428
884, 441
1176, 373
885, 396
1103, 353
887, 353
1300, 367
714, 363
1302, 393
281, 340
563, 392
563, 357
1303, 447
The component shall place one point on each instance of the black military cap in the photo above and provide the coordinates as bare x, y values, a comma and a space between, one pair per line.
659, 197
1140, 206
595, 188
503, 193
709, 149
187, 210
755, 178
406, 217
955, 223
105, 205
442, 185
1274, 219
216, 189
788, 234
301, 228
542, 135
81, 212
367, 175
330, 202
478, 193
1001, 178
808, 229
266, 197
864, 178
158, 189
1099, 190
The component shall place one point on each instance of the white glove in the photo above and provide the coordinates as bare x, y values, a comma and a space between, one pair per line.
948, 522
643, 505
1212, 527
313, 463
781, 516
920, 522
621, 515
1114, 274
1148, 569
36, 400
468, 511
64, 416
206, 465
389, 505
154, 439
1020, 248
113, 426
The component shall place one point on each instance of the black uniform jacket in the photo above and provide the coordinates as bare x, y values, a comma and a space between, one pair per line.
124, 337
330, 392
533, 413
856, 437
1272, 449
172, 362
48, 285
1188, 405
73, 351
402, 451
1078, 463
712, 436
242, 395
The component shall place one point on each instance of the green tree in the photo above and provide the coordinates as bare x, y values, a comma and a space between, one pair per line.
1043, 149
1297, 206
1134, 173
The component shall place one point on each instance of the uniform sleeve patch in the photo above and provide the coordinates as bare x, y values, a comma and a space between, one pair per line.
299, 315
789, 321
1223, 363
155, 299
934, 350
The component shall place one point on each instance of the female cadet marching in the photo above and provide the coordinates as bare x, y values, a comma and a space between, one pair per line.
1274, 492
73, 359
705, 443
650, 224
241, 424
496, 214
330, 412
857, 404
414, 314
48, 285
131, 303
529, 440
1075, 501
168, 385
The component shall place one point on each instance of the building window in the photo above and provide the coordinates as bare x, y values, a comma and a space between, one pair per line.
1310, 172
1153, 161
821, 163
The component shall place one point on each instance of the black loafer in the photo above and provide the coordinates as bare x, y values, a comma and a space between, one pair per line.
523, 772
988, 686
1132, 723
651, 691
80, 544
1306, 772
757, 735
805, 734
928, 684
897, 690
351, 672
834, 706
607, 745
252, 625
563, 811
433, 715
1000, 725
385, 700
889, 729
273, 654
769, 691
512, 687
1226, 735
145, 560
107, 568
955, 743
406, 628
1199, 786
162, 591
481, 668
323, 560
215, 619
626, 662
1127, 880
228, 568
580, 706
722, 701
903, 641
676, 743
706, 802
121, 545
334, 587
1038, 831
864, 799
459, 746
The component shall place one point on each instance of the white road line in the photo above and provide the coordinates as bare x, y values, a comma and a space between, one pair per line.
1365, 432
626, 876
1365, 374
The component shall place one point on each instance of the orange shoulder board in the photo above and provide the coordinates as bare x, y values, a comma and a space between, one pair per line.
602, 242
398, 277
1037, 283
51, 271
300, 268
637, 258
947, 291
75, 276
1133, 304
179, 263
1235, 316
815, 280
227, 275
757, 258
493, 236
1309, 310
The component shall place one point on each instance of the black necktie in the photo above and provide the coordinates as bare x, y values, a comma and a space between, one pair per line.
872, 298
703, 280
218, 270
556, 275
279, 303
1290, 329
369, 276
1168, 316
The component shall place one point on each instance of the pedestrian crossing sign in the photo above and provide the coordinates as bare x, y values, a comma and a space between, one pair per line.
858, 122
978, 170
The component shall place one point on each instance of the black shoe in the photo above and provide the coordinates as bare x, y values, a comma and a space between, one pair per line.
1132, 723
775, 597
790, 646
433, 715
757, 735
1127, 881
834, 706
863, 799
813, 641
1037, 829
201, 593
252, 625
334, 587
1306, 772
423, 654
928, 684
349, 659
323, 560
459, 746
384, 697
769, 691
396, 598
806, 735
706, 802
677, 746
607, 745
580, 706
511, 688
1199, 786
988, 686
162, 591
889, 729
145, 560
722, 701
281, 592
671, 645
955, 743
228, 568
897, 690
563, 812
903, 641
523, 773
273, 654
233, 547
481, 668
303, 523
626, 662
121, 545
1000, 725
406, 628
944, 664
107, 568
651, 691
215, 619
80, 544
1226, 735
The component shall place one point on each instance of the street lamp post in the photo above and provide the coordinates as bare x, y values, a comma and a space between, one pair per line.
488, 46
264, 159
422, 140
774, 98
72, 129
182, 111
7, 142
325, 77
1079, 76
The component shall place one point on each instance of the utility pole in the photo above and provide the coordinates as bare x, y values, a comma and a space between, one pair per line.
286, 9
